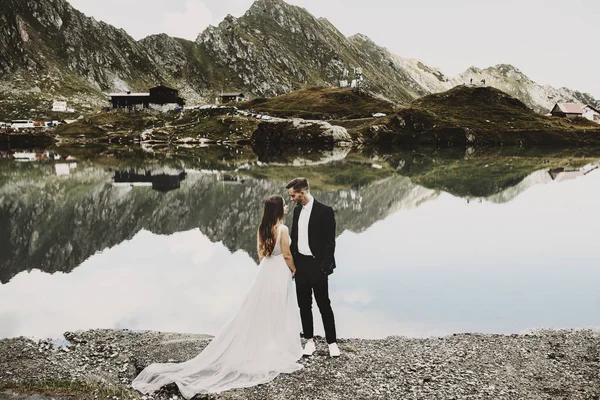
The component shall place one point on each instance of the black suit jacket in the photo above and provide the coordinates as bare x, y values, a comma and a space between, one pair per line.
321, 235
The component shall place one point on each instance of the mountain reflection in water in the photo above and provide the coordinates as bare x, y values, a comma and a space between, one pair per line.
427, 244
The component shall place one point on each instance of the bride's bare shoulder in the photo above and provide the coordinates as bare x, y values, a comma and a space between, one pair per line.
280, 228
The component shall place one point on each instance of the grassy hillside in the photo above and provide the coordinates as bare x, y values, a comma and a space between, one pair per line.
488, 108
476, 116
462, 116
212, 124
321, 103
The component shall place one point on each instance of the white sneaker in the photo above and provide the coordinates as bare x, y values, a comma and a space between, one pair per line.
334, 350
309, 349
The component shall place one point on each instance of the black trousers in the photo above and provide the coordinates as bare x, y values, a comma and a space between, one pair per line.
309, 280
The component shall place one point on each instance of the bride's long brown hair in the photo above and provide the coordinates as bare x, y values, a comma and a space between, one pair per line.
272, 214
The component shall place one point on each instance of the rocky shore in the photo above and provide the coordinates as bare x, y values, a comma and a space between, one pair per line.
100, 364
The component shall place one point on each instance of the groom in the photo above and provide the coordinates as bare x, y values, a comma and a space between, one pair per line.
313, 247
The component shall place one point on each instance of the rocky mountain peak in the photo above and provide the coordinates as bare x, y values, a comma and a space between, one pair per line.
266, 5
270, 3
473, 69
506, 67
507, 70
167, 52
229, 20
360, 37
158, 37
270, 9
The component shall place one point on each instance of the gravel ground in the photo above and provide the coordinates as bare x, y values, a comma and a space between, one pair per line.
100, 364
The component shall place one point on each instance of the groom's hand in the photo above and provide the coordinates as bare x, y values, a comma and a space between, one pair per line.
327, 268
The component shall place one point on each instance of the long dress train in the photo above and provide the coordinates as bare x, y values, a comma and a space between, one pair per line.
258, 343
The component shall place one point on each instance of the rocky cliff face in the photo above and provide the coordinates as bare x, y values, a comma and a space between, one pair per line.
275, 48
49, 50
186, 65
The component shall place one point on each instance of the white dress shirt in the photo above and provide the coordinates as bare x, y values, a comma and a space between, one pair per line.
303, 219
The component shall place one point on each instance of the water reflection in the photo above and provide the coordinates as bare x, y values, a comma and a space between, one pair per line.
177, 283
56, 223
415, 259
163, 181
484, 267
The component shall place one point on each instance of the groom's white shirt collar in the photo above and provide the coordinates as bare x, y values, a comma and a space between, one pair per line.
308, 206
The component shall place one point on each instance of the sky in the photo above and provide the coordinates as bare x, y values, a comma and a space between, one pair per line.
553, 42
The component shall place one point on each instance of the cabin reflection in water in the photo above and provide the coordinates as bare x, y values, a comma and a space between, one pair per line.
163, 181
563, 174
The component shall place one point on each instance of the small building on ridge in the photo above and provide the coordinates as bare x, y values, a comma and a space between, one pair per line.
130, 100
232, 97
567, 110
591, 113
161, 97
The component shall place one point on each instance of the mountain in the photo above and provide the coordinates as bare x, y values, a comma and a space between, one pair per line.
50, 51
49, 48
275, 48
540, 98
188, 67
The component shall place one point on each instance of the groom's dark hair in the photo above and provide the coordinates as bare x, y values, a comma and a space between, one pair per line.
298, 184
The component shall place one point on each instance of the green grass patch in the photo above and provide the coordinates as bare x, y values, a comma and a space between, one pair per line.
320, 103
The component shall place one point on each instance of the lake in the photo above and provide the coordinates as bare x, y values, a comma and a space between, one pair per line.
429, 242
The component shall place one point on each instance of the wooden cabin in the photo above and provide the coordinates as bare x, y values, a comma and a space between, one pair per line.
158, 96
232, 97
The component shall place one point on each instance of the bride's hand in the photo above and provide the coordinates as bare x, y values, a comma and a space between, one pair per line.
293, 274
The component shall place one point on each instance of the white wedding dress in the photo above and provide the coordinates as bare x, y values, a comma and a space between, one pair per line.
258, 343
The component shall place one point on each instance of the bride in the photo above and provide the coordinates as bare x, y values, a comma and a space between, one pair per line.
261, 340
